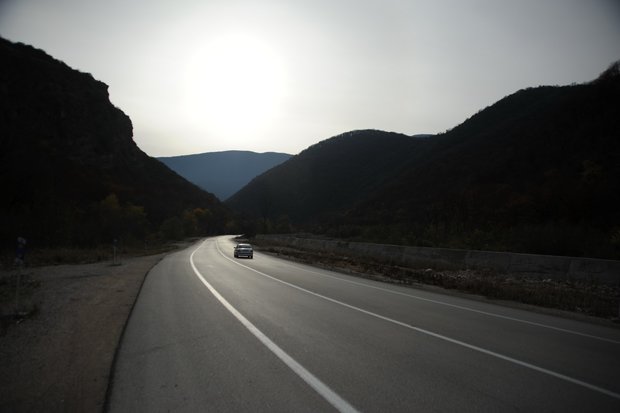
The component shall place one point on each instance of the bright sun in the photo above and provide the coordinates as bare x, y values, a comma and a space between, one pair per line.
235, 84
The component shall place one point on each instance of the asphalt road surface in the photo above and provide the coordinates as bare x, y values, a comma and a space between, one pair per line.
213, 333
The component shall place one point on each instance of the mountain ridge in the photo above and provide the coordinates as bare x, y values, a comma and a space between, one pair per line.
538, 171
224, 172
320, 174
69, 154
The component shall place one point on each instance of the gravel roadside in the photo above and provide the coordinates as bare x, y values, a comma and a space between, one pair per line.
60, 359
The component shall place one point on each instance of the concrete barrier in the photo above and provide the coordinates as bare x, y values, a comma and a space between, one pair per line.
525, 265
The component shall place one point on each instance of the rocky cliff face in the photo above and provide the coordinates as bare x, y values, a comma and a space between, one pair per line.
65, 146
46, 104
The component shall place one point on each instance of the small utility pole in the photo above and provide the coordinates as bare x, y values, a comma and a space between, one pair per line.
114, 247
20, 256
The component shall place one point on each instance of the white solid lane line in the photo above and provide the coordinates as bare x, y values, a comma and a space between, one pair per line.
328, 394
438, 336
460, 307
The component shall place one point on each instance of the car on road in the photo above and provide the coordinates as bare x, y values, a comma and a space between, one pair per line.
244, 250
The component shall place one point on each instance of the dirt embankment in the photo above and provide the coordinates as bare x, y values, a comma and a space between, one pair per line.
58, 358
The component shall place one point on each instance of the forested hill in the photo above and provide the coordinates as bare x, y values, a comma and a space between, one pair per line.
328, 177
223, 173
70, 171
538, 171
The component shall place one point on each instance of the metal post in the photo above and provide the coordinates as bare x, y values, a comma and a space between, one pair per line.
19, 276
114, 249
20, 255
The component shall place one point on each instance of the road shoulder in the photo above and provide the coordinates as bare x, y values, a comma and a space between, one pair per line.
61, 359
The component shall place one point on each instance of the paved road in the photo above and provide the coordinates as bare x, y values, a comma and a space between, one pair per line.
214, 333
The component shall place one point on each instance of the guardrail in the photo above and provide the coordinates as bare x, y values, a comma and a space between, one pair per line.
541, 266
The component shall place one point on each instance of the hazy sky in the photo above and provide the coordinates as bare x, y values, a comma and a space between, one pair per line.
280, 75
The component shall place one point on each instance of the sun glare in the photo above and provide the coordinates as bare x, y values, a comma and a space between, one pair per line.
235, 84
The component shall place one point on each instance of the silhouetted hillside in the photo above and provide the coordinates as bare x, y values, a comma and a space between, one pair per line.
223, 173
538, 171
68, 158
328, 177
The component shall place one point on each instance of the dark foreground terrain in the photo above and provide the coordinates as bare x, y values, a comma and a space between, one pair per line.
58, 358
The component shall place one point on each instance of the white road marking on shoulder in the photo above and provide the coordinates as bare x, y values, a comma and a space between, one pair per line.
460, 307
332, 398
438, 336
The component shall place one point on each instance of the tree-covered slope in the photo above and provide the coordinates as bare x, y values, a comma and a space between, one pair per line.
538, 171
66, 148
328, 177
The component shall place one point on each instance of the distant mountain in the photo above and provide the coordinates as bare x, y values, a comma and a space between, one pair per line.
538, 171
223, 173
66, 149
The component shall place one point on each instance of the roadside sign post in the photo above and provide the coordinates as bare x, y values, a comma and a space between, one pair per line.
115, 242
20, 255
19, 274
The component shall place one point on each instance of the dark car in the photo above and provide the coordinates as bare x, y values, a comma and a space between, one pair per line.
244, 250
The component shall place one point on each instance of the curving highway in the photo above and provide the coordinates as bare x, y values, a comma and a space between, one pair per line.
213, 333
